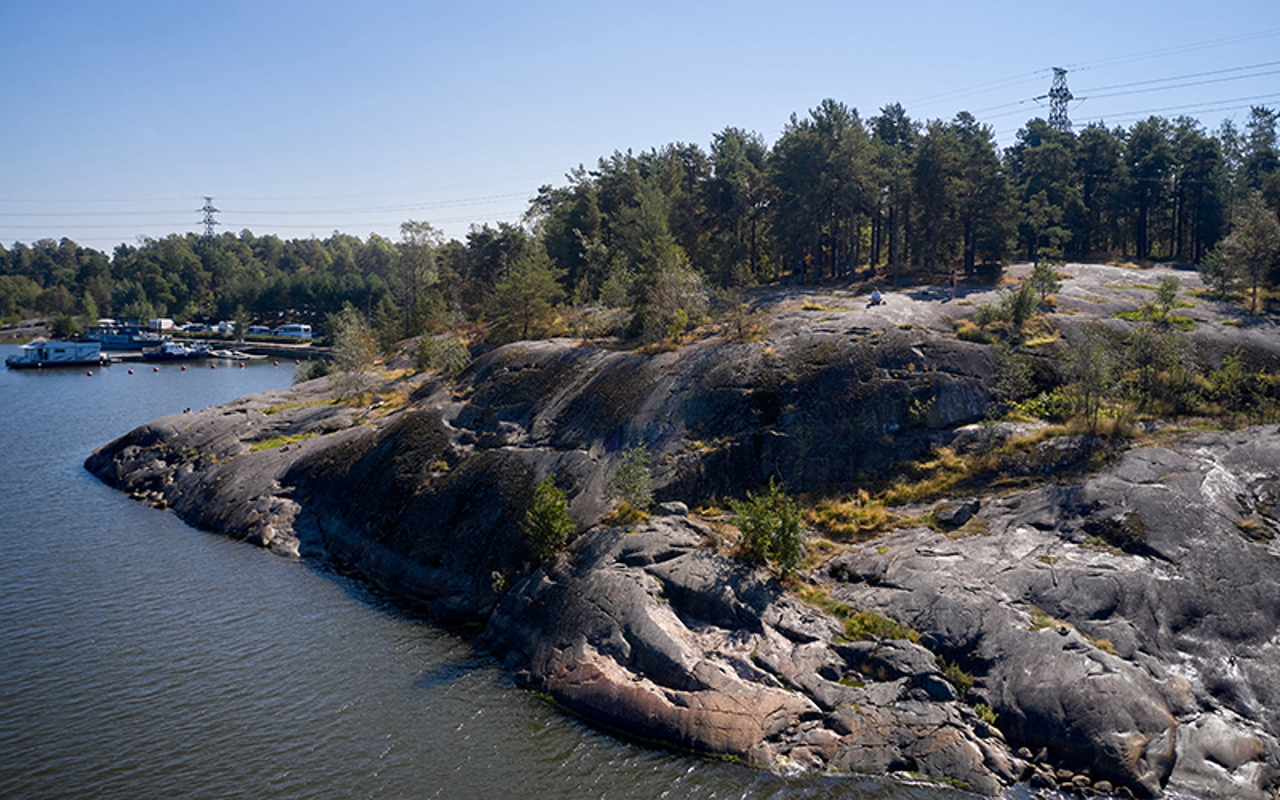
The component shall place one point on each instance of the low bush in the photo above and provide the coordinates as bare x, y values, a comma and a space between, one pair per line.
278, 441
632, 483
1054, 406
547, 521
771, 528
969, 331
958, 678
311, 369
448, 354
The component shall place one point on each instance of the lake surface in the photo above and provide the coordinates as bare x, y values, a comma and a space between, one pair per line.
140, 658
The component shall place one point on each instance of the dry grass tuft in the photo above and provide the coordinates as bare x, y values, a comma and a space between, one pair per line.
851, 519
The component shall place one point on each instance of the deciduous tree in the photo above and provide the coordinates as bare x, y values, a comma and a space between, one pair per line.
354, 353
1254, 245
416, 271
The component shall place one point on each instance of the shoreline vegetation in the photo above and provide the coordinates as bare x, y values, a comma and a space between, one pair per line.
1012, 531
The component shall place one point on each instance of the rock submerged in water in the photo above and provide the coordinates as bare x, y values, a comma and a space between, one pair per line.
1122, 626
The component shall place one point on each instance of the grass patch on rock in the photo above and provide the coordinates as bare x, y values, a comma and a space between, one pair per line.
855, 518
858, 625
1180, 323
278, 441
810, 305
278, 407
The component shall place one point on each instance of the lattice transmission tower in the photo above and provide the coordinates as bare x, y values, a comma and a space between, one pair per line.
209, 222
1059, 96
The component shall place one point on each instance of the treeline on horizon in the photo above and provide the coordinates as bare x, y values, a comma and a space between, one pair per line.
833, 196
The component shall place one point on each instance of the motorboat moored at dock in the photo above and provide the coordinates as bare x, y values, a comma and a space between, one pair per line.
172, 351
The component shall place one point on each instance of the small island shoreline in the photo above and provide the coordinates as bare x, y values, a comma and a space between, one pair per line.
1106, 621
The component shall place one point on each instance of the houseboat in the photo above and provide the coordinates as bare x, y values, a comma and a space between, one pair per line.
51, 353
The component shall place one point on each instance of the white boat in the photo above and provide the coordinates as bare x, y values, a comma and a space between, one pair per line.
172, 351
232, 355
53, 353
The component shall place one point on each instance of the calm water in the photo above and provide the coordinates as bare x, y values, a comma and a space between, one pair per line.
140, 658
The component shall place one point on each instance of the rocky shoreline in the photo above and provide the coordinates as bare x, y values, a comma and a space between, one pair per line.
1109, 633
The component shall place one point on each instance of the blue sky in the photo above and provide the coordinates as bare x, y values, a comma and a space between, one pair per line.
301, 118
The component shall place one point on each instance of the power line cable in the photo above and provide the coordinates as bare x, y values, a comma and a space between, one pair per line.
1190, 75
443, 204
1176, 50
1238, 103
386, 209
983, 88
1207, 105
1215, 106
287, 198
1180, 85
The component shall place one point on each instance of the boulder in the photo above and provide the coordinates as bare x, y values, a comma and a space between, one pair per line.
953, 514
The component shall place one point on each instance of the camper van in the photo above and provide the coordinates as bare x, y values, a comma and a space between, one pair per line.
295, 330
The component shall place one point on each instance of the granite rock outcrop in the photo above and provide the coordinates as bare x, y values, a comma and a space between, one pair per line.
1106, 631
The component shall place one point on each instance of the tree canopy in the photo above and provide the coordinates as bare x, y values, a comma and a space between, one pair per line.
836, 196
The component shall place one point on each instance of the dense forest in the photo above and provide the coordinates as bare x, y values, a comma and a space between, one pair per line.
836, 196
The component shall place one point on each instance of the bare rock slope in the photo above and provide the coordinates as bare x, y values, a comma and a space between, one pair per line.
1121, 627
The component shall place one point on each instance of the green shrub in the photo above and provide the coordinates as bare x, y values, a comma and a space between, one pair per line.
1044, 279
1014, 308
1167, 295
988, 313
448, 354
1052, 406
1018, 306
547, 522
968, 331
987, 713
862, 625
958, 678
278, 441
313, 368
1014, 378
771, 528
741, 322
632, 483
858, 625
64, 327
